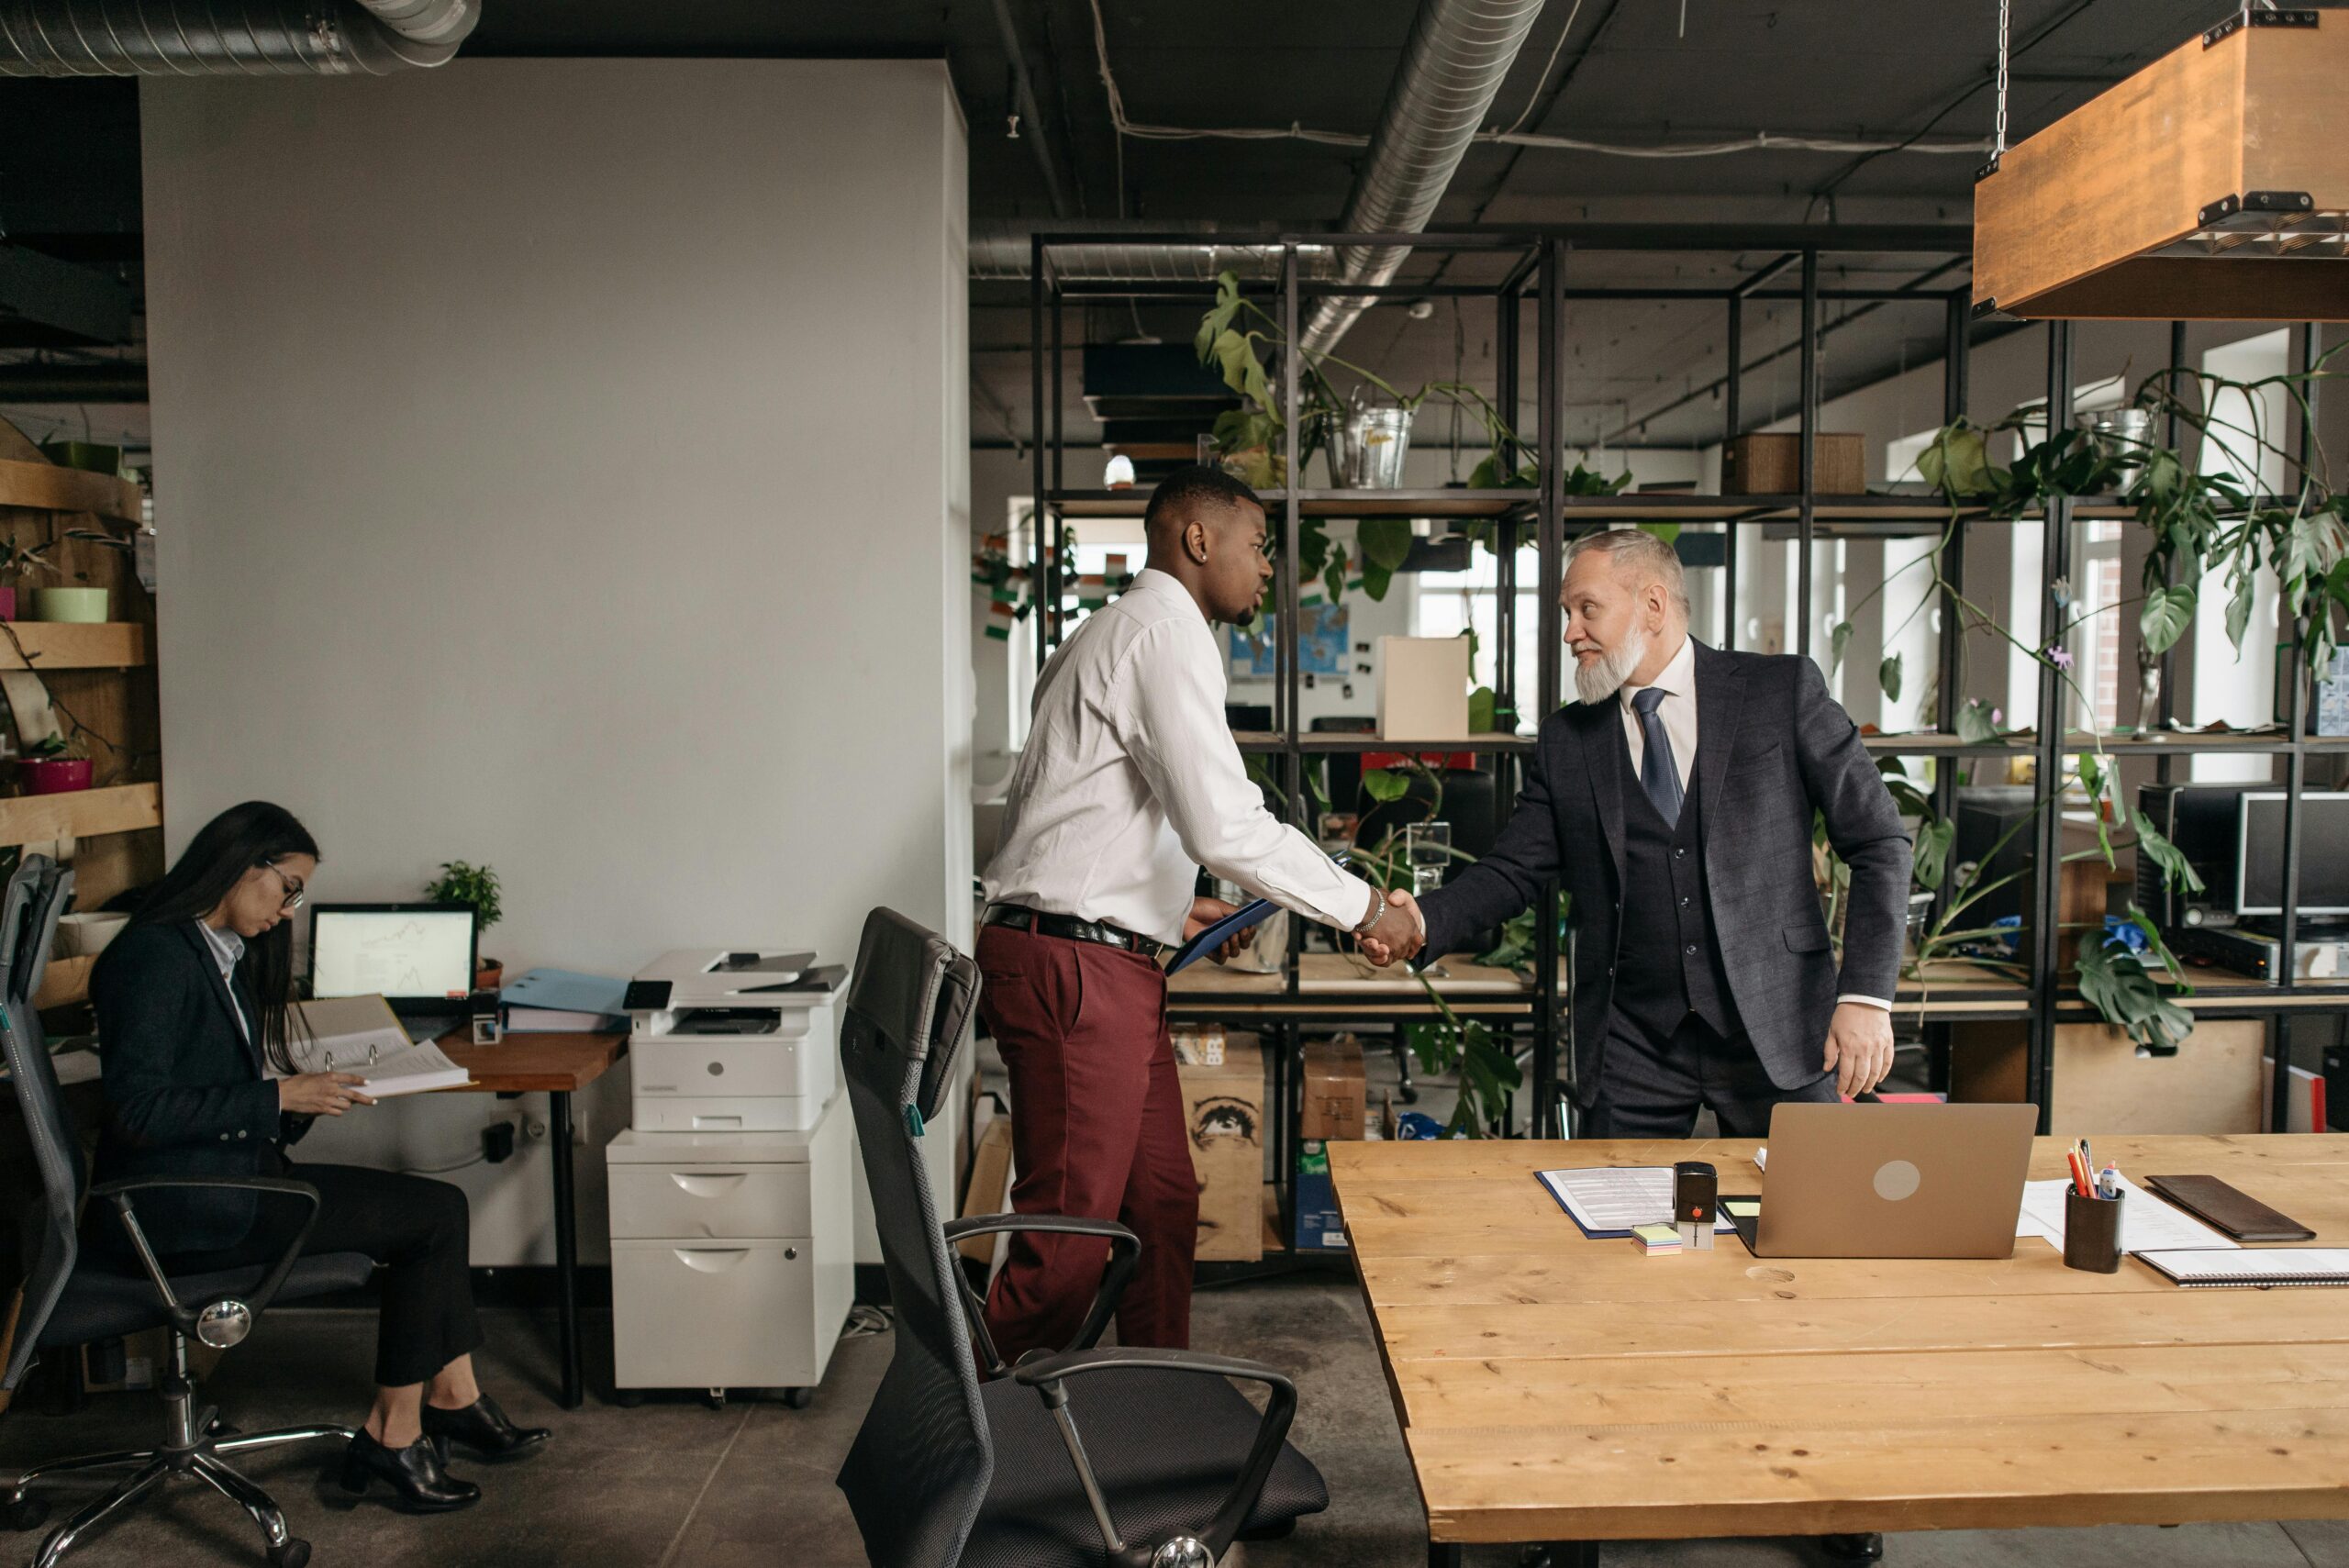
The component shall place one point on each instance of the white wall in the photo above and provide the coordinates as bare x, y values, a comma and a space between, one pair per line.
559, 465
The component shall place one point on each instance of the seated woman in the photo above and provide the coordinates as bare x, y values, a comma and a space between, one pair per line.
192, 1002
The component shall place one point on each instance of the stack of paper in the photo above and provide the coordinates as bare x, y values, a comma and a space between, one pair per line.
1655, 1240
2147, 1225
559, 1001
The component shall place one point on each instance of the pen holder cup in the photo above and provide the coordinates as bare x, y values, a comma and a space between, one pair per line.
2092, 1232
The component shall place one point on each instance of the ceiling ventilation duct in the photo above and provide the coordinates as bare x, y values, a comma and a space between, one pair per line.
229, 38
2202, 188
1453, 66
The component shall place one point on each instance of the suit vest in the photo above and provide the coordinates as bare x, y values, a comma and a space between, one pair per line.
1668, 963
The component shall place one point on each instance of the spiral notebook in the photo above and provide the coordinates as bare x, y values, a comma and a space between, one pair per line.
2244, 1269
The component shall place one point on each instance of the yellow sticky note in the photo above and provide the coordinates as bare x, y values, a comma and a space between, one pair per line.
1741, 1208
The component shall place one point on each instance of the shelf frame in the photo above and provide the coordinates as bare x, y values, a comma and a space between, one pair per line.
1538, 273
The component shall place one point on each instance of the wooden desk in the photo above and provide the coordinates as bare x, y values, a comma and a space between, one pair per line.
1556, 1389
1330, 984
557, 1065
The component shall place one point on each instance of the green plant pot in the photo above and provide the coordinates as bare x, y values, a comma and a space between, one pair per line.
83, 604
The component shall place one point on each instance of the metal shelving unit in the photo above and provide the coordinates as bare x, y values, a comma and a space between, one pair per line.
1536, 276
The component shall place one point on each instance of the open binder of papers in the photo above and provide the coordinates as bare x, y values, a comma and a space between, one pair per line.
1615, 1200
363, 1035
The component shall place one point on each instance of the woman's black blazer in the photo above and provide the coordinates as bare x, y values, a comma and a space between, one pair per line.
185, 1094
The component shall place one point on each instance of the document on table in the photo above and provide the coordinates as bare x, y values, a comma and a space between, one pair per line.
2147, 1225
1610, 1200
362, 1035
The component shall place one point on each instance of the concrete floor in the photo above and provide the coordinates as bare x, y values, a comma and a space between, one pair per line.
674, 1483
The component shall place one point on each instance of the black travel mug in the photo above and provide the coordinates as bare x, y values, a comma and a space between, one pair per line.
2092, 1231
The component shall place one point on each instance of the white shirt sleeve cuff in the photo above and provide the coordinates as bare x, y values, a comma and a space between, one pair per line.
1865, 1002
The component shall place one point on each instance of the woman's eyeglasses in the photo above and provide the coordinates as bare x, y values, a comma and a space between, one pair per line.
295, 890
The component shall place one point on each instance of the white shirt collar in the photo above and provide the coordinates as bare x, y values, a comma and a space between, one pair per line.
1150, 580
1678, 677
227, 946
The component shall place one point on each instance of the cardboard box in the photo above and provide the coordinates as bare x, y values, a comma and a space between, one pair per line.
1319, 1226
1770, 464
989, 1191
2214, 1083
1335, 1103
1223, 1111
1423, 688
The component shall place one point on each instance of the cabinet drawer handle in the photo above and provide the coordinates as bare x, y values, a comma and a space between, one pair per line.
709, 1183
710, 1260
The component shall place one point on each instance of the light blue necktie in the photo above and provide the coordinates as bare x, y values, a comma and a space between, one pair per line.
1659, 775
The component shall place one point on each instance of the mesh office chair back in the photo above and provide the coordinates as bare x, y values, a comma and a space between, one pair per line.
37, 895
921, 1463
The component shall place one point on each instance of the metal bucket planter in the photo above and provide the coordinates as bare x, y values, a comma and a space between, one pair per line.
1377, 440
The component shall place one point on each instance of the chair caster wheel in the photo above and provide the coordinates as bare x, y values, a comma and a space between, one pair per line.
627, 1399
27, 1513
715, 1399
294, 1553
1410, 1097
799, 1398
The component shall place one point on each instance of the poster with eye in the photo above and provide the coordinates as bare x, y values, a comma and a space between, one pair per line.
1321, 644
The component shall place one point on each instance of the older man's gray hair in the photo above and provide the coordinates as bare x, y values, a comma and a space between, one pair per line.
1640, 555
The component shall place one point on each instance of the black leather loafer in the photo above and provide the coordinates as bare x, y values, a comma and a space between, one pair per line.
482, 1430
414, 1474
1868, 1547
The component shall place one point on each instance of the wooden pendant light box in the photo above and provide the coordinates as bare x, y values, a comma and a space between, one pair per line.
2237, 132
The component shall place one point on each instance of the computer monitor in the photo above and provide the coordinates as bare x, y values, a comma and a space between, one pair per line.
416, 954
1989, 834
2324, 854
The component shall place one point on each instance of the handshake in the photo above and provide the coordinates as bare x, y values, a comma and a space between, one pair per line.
1400, 933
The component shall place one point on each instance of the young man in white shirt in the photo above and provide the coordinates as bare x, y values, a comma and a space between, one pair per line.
1129, 782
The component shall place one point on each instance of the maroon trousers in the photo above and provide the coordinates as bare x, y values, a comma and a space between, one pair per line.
1097, 1131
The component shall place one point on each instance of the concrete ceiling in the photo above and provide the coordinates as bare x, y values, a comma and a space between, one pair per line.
1641, 72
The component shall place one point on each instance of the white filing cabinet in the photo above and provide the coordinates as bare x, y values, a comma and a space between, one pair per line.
732, 1256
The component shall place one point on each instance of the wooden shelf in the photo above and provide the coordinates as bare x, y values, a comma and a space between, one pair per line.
1929, 744
65, 982
74, 645
1926, 512
85, 813
50, 488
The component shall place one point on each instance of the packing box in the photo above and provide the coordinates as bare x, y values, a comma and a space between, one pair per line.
1223, 1112
1770, 464
1334, 1100
1423, 688
1319, 1228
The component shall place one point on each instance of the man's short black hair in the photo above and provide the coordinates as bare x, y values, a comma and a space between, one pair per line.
1187, 487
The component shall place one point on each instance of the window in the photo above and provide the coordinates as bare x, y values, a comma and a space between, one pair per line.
2240, 688
1449, 602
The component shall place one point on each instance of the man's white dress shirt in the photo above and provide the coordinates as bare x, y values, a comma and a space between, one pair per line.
1678, 713
1130, 781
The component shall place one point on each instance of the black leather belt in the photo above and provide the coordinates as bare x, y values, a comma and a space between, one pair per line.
1070, 926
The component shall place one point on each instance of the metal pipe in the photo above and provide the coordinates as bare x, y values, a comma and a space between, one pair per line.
229, 38
1808, 448
1550, 315
1453, 64
1023, 93
2047, 826
115, 381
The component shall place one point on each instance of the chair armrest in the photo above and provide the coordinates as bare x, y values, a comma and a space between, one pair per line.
1125, 1250
119, 1193
1046, 1375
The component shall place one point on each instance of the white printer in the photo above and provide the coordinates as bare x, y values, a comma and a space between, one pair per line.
738, 1041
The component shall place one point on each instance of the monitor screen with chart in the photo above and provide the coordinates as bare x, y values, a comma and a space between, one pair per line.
408, 952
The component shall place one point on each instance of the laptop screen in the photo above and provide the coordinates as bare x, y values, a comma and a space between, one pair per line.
408, 952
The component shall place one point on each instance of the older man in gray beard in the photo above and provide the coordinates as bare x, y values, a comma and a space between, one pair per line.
1675, 804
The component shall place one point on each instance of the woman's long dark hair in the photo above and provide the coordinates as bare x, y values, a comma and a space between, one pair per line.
254, 834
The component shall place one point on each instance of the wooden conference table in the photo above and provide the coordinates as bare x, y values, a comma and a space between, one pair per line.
1556, 1389
557, 1065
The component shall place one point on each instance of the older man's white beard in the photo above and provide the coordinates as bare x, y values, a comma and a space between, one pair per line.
1605, 675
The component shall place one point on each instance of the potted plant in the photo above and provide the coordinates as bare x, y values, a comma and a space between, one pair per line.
460, 883
53, 767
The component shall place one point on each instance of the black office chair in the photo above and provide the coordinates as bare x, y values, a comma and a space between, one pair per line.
1087, 1459
72, 1298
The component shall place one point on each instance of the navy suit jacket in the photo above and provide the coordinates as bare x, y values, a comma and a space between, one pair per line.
185, 1093
1772, 750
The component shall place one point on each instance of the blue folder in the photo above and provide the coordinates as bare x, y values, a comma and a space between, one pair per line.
1246, 918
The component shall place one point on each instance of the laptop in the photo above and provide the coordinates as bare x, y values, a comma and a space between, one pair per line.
419, 957
1894, 1181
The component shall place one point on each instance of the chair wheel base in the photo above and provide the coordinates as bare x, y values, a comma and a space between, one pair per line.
627, 1399
1868, 1548
799, 1398
27, 1513
294, 1553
